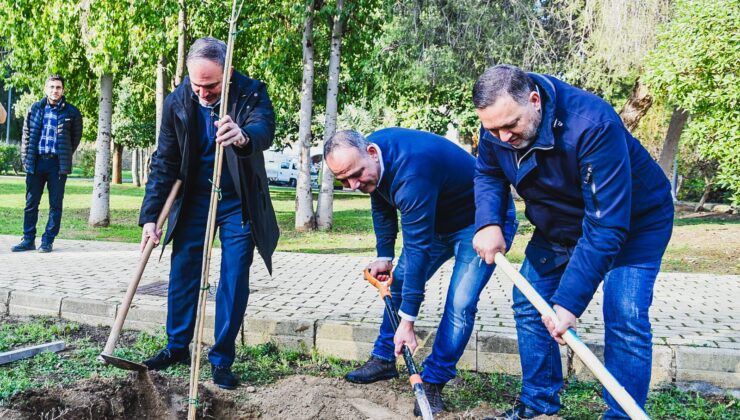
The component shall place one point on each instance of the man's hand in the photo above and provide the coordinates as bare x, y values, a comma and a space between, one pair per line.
405, 335
488, 241
149, 230
229, 134
381, 266
567, 320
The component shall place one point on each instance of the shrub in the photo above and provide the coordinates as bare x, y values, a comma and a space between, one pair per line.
87, 162
10, 159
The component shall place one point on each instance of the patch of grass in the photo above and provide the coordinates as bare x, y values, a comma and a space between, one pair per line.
672, 403
41, 330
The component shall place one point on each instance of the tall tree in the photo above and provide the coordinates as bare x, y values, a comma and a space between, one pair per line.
695, 67
181, 41
304, 214
104, 25
325, 206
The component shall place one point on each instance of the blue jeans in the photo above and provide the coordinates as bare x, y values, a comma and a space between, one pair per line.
47, 174
469, 277
237, 250
628, 294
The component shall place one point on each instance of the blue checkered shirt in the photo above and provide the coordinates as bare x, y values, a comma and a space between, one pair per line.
48, 142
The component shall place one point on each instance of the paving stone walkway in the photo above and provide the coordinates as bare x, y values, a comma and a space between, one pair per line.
695, 312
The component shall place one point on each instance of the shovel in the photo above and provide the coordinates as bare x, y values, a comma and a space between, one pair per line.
623, 398
384, 288
107, 355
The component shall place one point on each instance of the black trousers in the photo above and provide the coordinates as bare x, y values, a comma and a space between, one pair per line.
46, 173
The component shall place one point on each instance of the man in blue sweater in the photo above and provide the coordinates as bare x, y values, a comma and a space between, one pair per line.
429, 181
601, 208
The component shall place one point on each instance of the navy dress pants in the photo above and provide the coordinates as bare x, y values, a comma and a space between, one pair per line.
237, 250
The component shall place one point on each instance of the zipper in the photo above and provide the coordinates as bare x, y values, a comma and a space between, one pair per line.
590, 180
519, 161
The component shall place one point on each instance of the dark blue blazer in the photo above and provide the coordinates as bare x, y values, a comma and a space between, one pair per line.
595, 196
429, 180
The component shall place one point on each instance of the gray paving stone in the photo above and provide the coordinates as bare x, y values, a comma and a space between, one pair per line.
27, 303
88, 311
715, 366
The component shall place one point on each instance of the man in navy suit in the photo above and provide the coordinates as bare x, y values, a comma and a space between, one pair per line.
429, 181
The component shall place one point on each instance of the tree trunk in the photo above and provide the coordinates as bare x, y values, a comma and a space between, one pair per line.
304, 216
181, 40
637, 106
707, 190
670, 144
100, 206
160, 94
117, 163
135, 178
325, 206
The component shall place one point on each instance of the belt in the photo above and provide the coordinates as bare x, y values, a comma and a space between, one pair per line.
47, 156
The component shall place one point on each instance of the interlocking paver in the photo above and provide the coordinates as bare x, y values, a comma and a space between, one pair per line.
691, 311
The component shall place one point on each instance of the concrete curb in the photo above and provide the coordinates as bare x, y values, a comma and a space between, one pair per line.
353, 340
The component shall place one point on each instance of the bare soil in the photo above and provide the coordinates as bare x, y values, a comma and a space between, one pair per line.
154, 396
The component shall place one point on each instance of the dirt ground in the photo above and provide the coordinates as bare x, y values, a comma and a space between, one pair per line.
704, 242
153, 396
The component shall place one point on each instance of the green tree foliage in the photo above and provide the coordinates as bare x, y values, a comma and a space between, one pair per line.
695, 66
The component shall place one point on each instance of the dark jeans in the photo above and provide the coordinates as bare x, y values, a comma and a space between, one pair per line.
46, 173
628, 294
469, 277
237, 249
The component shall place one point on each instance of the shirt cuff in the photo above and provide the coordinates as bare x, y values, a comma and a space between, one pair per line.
406, 317
384, 259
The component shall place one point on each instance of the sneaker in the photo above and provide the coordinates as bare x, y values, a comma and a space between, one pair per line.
434, 395
224, 378
519, 411
46, 247
373, 370
167, 358
25, 245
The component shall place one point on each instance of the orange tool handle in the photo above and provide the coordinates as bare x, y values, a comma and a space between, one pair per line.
384, 287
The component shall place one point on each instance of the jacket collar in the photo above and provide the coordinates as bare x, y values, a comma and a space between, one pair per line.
59, 105
239, 86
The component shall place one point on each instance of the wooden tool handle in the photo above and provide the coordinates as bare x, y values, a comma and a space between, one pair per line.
623, 398
131, 291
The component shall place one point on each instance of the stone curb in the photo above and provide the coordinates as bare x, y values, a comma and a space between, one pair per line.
353, 340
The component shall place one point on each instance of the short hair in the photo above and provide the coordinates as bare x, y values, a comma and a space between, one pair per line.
501, 79
346, 138
207, 48
55, 77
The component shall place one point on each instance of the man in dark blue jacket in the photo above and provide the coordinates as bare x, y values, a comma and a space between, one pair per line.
52, 131
601, 208
245, 217
429, 181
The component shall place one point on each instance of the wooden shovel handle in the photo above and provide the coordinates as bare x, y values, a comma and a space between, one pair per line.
131, 291
623, 398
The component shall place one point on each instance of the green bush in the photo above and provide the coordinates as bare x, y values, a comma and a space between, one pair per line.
10, 159
87, 162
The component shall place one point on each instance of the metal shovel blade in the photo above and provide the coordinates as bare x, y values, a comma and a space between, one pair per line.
123, 363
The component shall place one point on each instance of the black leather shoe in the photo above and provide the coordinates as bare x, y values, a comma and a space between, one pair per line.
46, 247
519, 411
25, 245
373, 370
224, 378
434, 395
167, 358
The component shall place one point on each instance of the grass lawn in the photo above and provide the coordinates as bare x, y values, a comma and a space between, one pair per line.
702, 242
263, 364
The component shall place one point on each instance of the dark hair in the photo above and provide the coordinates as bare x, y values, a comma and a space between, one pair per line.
55, 77
500, 79
208, 48
346, 138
